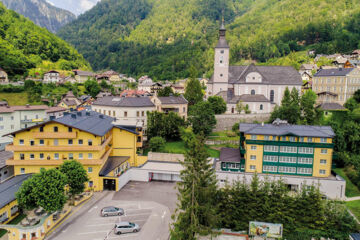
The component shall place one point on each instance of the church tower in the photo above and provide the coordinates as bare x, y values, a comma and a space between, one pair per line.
221, 63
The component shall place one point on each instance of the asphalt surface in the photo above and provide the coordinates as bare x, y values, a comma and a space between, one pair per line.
148, 204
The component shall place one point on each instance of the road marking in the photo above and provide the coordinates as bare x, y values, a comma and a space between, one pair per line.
130, 215
163, 215
93, 208
84, 233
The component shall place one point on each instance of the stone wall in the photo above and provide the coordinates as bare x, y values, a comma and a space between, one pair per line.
226, 121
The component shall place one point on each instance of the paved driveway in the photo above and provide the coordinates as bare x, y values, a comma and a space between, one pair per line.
147, 204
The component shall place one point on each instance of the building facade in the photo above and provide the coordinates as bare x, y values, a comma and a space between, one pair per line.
3, 76
104, 149
51, 77
69, 101
231, 82
83, 76
336, 85
178, 105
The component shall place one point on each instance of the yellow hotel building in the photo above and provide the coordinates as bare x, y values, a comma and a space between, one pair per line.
281, 148
105, 150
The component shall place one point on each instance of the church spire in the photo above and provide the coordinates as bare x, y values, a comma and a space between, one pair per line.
222, 40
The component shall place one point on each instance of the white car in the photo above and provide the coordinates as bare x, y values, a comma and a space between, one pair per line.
126, 227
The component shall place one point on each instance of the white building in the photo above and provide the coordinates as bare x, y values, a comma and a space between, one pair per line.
51, 77
260, 87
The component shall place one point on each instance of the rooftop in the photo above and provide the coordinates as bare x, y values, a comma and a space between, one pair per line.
173, 100
230, 155
5, 155
282, 128
111, 164
124, 101
55, 109
10, 187
10, 109
331, 106
333, 72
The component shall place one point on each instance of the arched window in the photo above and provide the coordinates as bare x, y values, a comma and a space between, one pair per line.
261, 107
272, 95
253, 92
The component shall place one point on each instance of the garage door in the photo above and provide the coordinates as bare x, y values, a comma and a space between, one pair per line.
165, 177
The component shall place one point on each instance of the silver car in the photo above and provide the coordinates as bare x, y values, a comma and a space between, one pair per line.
111, 211
126, 227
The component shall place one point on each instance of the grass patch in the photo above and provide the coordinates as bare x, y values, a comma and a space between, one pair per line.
175, 147
223, 136
351, 189
354, 207
15, 98
15, 221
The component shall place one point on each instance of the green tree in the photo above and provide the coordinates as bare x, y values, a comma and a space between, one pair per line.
197, 209
164, 125
166, 92
104, 85
357, 96
45, 189
218, 104
240, 107
310, 114
156, 144
76, 176
92, 87
193, 91
202, 118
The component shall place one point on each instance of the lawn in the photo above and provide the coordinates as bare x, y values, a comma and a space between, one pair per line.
15, 221
179, 147
223, 136
15, 98
354, 207
351, 190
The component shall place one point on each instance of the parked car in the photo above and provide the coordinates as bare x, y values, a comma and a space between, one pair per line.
111, 211
126, 227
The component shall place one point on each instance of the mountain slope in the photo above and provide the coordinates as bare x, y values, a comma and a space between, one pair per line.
170, 36
24, 45
78, 7
41, 13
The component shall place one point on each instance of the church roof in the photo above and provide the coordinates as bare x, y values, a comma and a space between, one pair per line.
222, 43
248, 98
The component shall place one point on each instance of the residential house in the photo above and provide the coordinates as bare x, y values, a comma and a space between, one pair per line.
340, 61
128, 111
175, 104
6, 172
104, 149
69, 79
265, 84
355, 55
103, 94
152, 88
145, 80
69, 101
308, 68
83, 76
51, 77
134, 93
109, 76
3, 76
353, 64
329, 108
336, 85
13, 118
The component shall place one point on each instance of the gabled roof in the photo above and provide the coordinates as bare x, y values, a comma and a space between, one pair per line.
249, 98
331, 106
308, 66
10, 187
173, 100
10, 109
230, 155
333, 72
124, 102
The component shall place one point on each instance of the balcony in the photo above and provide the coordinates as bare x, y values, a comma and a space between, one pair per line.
34, 120
54, 135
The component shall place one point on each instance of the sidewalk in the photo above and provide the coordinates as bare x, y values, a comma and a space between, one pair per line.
352, 199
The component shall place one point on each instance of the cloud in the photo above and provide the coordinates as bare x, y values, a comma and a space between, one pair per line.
86, 5
75, 6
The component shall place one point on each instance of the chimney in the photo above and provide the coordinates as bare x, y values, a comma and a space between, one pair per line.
73, 115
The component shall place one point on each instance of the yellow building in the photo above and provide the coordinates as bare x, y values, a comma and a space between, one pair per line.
69, 101
105, 150
281, 148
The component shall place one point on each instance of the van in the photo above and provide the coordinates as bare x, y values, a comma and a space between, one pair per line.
111, 211
126, 227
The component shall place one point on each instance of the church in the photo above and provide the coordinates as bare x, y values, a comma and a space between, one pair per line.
259, 87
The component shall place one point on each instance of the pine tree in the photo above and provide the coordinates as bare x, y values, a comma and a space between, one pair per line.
197, 212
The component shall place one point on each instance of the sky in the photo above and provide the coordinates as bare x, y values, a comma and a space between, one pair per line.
75, 6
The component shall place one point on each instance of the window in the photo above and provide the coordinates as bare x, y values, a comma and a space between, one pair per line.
184, 109
323, 151
253, 147
125, 114
270, 148
80, 156
322, 161
143, 112
32, 142
322, 171
12, 126
91, 183
41, 156
267, 138
41, 129
21, 142
252, 167
261, 107
253, 157
12, 117
252, 92
304, 170
22, 156
109, 113
90, 142
287, 149
56, 156
56, 142
71, 156
222, 51
283, 159
283, 169
323, 140
301, 139
137, 113
302, 160
292, 139
1, 119
70, 142
70, 129
270, 158
270, 168
272, 95
80, 142
22, 170
90, 169
306, 150
283, 138
56, 129
113, 113
310, 139
90, 155
41, 141
253, 137
274, 138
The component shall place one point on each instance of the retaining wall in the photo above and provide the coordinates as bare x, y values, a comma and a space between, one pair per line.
226, 121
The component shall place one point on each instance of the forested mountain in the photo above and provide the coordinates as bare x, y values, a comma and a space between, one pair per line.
41, 13
163, 38
24, 45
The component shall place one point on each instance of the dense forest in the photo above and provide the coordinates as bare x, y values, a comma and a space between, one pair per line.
163, 38
24, 46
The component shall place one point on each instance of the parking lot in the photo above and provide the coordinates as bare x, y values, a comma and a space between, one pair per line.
147, 204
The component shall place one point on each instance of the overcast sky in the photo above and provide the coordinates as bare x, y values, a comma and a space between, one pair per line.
75, 6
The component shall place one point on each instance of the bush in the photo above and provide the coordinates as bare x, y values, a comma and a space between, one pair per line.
156, 144
235, 128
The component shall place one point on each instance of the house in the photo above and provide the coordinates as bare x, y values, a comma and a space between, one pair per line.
355, 55
308, 68
104, 149
128, 111
109, 76
3, 76
69, 101
175, 104
6, 172
13, 118
145, 80
354, 236
266, 84
134, 93
51, 77
103, 94
336, 85
299, 155
83, 76
329, 108
339, 61
353, 63
152, 88
55, 112
69, 79
306, 86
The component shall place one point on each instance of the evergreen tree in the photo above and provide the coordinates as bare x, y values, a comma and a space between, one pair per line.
197, 209
193, 91
166, 92
202, 118
218, 104
311, 115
